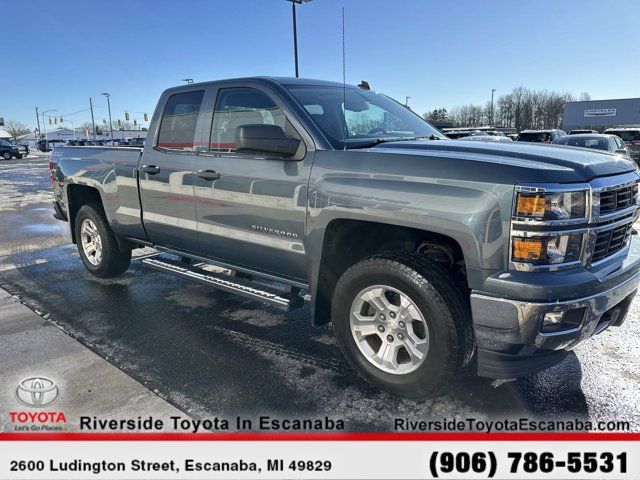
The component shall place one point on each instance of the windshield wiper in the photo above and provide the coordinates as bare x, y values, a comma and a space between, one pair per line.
372, 142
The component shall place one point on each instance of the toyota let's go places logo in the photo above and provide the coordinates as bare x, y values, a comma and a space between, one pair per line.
37, 392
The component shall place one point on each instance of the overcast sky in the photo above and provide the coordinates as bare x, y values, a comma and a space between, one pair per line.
440, 53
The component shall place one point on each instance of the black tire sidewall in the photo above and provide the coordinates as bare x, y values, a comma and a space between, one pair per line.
443, 340
114, 261
87, 212
4, 155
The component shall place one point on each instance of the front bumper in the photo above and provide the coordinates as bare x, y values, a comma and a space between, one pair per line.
508, 331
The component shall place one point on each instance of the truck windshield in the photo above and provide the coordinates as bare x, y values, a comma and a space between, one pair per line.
368, 118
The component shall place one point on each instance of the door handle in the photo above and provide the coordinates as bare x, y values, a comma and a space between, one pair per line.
208, 174
150, 169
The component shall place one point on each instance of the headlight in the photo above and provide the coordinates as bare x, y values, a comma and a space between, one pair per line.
551, 205
547, 250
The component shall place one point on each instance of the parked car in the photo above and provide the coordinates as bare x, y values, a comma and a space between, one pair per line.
455, 134
47, 145
607, 143
423, 252
137, 141
631, 137
540, 136
579, 131
487, 138
9, 150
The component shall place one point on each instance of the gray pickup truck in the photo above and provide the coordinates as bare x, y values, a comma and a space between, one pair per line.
426, 254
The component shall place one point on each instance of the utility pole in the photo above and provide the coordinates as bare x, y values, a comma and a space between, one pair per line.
38, 120
110, 122
93, 123
493, 90
46, 139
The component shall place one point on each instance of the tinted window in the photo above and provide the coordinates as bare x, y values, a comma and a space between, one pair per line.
599, 143
236, 107
4, 143
626, 135
538, 137
179, 119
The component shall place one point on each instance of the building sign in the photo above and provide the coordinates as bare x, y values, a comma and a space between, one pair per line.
600, 112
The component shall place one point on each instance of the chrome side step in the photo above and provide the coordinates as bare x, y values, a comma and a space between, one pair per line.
281, 300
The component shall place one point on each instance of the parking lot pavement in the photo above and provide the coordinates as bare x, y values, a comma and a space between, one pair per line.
212, 354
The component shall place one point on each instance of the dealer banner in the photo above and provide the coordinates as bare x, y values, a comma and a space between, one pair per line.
316, 456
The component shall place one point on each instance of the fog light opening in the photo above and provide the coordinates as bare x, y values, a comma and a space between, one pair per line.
560, 321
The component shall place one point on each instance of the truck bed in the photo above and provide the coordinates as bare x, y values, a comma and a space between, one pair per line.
110, 170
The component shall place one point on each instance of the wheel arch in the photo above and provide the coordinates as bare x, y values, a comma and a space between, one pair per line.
347, 241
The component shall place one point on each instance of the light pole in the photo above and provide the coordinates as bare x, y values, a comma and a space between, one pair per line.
46, 139
188, 80
106, 94
38, 121
493, 90
73, 127
295, 29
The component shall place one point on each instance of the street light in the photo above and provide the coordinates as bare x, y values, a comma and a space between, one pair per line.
295, 29
188, 80
73, 126
493, 90
109, 107
46, 139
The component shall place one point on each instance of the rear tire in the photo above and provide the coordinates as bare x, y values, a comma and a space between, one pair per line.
402, 323
97, 243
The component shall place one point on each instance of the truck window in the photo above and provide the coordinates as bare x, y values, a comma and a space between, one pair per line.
243, 106
179, 119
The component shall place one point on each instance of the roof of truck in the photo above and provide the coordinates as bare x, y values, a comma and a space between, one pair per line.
267, 79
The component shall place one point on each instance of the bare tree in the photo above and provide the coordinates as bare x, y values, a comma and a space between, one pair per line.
16, 129
521, 109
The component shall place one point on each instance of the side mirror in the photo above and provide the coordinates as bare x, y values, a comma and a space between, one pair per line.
265, 138
621, 152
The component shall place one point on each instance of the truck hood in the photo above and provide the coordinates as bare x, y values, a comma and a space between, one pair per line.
565, 164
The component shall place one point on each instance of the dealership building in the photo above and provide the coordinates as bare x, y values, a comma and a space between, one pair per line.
601, 114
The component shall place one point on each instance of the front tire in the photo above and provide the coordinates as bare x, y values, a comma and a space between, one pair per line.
97, 243
6, 155
402, 323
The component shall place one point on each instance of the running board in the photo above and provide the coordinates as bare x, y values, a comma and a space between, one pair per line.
245, 288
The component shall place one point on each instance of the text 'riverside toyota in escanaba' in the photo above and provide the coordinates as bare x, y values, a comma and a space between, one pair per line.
427, 254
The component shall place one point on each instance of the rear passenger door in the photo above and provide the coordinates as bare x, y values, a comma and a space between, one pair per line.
166, 172
254, 214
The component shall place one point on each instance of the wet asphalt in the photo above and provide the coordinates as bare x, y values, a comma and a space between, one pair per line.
212, 354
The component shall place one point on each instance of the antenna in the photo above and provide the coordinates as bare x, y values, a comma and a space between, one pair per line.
344, 86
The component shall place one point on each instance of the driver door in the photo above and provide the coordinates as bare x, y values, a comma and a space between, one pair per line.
251, 212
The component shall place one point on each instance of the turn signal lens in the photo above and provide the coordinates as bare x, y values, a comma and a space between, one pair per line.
547, 250
529, 249
530, 206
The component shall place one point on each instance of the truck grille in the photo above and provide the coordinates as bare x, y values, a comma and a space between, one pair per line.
617, 199
611, 241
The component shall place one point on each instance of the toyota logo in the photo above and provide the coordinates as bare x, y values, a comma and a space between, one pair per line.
37, 391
